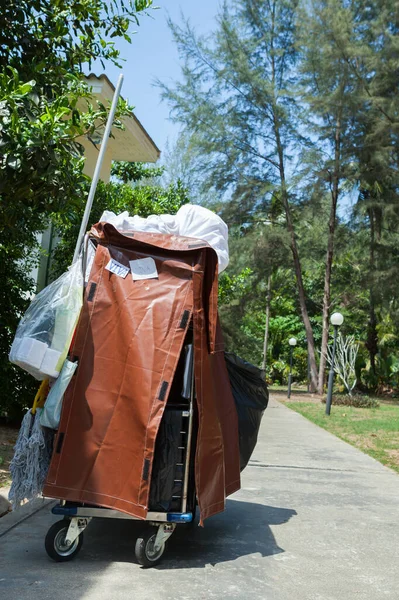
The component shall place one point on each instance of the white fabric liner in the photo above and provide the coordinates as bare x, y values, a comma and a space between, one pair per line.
190, 220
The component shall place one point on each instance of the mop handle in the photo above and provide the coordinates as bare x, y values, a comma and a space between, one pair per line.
97, 170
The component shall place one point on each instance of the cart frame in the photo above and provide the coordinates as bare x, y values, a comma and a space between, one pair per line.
63, 540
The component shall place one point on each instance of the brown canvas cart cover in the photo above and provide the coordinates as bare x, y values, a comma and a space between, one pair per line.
128, 342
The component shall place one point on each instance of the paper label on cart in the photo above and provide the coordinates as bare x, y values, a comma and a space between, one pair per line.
143, 268
116, 267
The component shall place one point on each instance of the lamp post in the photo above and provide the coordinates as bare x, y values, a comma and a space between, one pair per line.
292, 343
336, 320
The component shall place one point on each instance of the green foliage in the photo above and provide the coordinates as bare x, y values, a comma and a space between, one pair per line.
237, 104
384, 377
308, 90
143, 200
231, 287
44, 47
63, 35
37, 144
135, 171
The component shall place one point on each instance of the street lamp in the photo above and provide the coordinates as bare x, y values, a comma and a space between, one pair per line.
336, 320
292, 343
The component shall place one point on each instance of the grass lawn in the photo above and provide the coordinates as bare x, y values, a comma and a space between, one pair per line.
375, 431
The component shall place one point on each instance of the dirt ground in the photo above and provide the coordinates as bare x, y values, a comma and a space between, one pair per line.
296, 396
8, 437
304, 396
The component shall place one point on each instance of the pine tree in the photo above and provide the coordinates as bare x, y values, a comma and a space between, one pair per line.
371, 55
235, 101
330, 92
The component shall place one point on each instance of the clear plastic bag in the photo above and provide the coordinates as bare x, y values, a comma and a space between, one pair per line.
45, 332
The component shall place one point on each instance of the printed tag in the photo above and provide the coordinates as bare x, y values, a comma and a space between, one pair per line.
116, 267
143, 268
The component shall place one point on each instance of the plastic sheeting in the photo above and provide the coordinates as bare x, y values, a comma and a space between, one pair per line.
251, 397
45, 332
190, 221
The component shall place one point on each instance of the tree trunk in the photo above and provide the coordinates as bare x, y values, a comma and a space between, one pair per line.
330, 254
372, 335
301, 289
302, 303
293, 244
266, 338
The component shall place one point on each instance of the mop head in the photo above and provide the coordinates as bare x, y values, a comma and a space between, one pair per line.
32, 455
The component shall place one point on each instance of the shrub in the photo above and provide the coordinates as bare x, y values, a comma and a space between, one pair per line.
46, 46
357, 400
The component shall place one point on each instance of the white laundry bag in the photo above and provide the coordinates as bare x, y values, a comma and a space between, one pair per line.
191, 220
199, 222
45, 332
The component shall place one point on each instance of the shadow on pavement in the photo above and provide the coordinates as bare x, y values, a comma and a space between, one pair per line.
243, 529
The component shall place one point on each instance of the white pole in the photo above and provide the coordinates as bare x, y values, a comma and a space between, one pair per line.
97, 170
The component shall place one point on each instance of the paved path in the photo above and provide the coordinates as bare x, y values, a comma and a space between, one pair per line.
315, 520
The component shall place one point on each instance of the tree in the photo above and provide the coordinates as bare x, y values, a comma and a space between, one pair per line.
267, 315
257, 250
44, 46
374, 62
330, 92
370, 55
142, 199
235, 102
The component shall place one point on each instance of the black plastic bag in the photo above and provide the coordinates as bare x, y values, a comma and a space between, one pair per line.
251, 398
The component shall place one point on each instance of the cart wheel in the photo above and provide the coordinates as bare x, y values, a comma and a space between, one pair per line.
55, 544
146, 554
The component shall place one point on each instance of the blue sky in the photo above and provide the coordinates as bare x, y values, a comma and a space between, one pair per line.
153, 55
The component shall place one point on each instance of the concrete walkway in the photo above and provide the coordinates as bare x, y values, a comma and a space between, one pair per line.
315, 520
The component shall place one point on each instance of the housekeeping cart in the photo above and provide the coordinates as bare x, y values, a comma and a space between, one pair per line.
172, 496
149, 418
